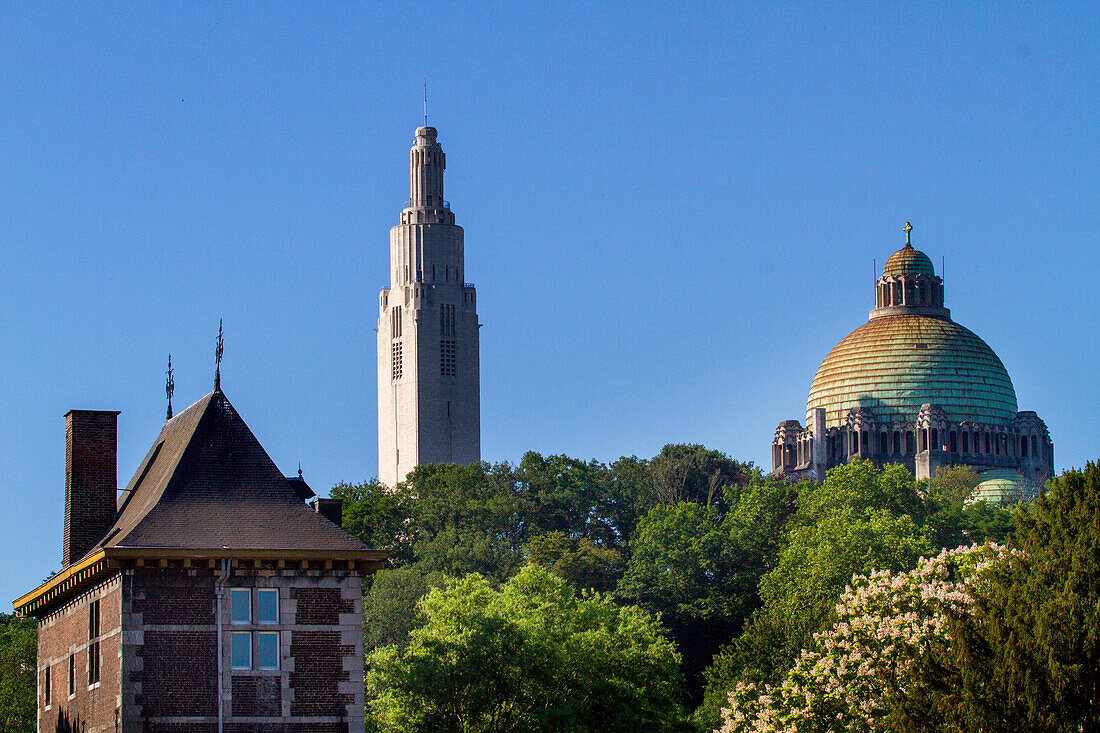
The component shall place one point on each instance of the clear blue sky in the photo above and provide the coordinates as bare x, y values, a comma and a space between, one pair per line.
671, 211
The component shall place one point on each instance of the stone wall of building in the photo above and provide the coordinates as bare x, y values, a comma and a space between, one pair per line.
64, 635
171, 631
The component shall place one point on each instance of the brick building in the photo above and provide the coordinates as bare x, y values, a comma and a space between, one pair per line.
208, 597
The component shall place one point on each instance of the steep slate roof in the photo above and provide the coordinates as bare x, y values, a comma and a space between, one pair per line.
207, 483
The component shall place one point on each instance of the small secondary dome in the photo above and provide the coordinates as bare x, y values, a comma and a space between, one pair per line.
908, 261
1004, 486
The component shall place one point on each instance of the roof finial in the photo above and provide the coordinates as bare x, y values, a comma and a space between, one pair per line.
218, 359
425, 101
908, 228
299, 470
170, 387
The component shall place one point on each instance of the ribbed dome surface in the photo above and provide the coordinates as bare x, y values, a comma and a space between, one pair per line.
1003, 486
894, 364
908, 261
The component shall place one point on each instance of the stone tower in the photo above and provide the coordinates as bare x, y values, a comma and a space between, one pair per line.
429, 392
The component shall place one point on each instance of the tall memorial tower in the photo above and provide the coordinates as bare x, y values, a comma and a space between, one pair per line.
429, 391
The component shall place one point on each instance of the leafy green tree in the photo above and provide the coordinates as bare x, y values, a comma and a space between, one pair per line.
578, 560
860, 519
1030, 657
699, 567
464, 519
954, 519
692, 473
390, 604
375, 515
18, 665
533, 655
626, 496
857, 678
857, 486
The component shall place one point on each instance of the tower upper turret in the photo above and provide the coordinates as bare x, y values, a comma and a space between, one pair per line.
427, 161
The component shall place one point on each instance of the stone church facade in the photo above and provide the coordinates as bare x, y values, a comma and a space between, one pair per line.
210, 597
913, 387
429, 388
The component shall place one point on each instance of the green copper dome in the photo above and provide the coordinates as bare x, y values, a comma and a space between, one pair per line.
894, 364
908, 261
1004, 486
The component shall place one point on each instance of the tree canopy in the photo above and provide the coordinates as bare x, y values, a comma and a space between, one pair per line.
533, 655
739, 573
18, 662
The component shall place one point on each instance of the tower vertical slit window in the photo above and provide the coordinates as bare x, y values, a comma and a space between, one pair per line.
395, 322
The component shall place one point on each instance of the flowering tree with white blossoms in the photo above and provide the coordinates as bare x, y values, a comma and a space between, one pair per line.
857, 677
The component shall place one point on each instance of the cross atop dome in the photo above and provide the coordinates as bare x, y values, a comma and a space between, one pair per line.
908, 228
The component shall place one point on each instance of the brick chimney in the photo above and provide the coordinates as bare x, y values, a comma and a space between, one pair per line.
330, 509
91, 479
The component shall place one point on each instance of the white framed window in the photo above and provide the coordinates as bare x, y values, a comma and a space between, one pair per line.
46, 688
240, 605
241, 649
72, 676
267, 650
267, 606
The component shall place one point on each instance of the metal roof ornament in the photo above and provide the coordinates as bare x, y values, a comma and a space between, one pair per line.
908, 228
169, 387
218, 350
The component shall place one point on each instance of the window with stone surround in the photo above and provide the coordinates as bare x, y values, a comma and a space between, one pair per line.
46, 687
447, 357
240, 606
93, 643
72, 675
267, 605
241, 649
267, 650
254, 649
396, 368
